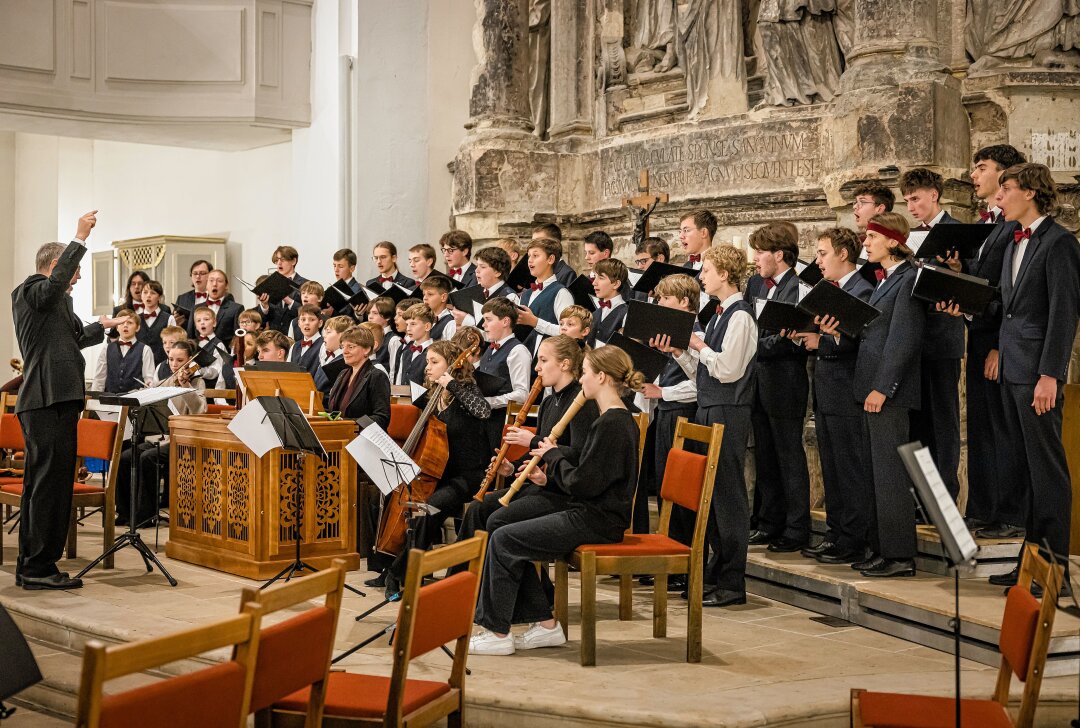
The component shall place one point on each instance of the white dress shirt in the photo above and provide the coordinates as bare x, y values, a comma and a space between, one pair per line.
1021, 248
148, 368
563, 300
737, 349
603, 313
519, 362
451, 326
776, 279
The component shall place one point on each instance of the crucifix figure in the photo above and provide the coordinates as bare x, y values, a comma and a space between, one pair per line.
642, 205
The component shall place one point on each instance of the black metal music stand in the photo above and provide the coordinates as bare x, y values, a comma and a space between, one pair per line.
135, 404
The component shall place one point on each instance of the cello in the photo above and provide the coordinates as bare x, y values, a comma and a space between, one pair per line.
429, 449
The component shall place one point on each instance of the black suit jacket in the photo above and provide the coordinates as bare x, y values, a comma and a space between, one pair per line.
1040, 309
51, 336
371, 397
834, 373
890, 352
228, 321
190, 325
983, 330
373, 284
564, 272
150, 334
944, 333
781, 381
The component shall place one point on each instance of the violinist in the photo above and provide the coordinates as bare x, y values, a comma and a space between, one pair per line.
362, 389
558, 365
152, 453
601, 486
462, 409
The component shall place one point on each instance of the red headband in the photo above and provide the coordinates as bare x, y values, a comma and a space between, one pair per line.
887, 232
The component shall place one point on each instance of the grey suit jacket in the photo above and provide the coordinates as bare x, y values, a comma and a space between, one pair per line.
890, 352
51, 336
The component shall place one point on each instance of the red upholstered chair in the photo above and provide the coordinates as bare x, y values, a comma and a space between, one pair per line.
403, 418
213, 697
95, 439
1025, 637
295, 653
688, 482
429, 617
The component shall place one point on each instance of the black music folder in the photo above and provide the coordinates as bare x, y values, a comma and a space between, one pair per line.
464, 299
868, 271
276, 286
647, 320
490, 385
20, 668
706, 312
398, 294
656, 272
520, 278
333, 368
940, 283
205, 357
852, 312
809, 273
340, 295
647, 360
584, 293
942, 240
777, 315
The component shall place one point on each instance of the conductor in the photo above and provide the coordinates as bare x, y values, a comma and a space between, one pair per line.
50, 337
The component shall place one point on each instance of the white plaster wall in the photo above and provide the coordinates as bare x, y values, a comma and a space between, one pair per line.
7, 243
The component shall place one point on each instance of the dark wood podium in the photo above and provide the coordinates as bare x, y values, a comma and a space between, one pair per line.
234, 512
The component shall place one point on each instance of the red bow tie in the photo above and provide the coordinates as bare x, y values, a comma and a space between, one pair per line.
986, 215
199, 295
495, 346
769, 284
305, 344
605, 304
212, 302
204, 338
1019, 235
454, 271
719, 310
924, 227
416, 348
136, 305
386, 279
881, 274
148, 316
696, 258
536, 286
126, 343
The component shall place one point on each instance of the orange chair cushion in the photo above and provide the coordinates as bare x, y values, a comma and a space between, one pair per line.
444, 612
895, 710
10, 480
403, 418
1018, 629
639, 544
292, 654
516, 452
210, 698
364, 696
95, 439
78, 488
683, 478
11, 437
217, 409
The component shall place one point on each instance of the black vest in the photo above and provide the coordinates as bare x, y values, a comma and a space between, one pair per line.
613, 321
712, 392
440, 326
412, 366
121, 370
673, 374
494, 363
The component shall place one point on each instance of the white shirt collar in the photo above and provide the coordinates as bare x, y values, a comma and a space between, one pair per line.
505, 339
937, 218
731, 300
617, 300
891, 268
780, 276
314, 339
1038, 221
548, 281
847, 277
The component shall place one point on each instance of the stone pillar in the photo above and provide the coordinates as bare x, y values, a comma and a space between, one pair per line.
571, 68
894, 41
500, 80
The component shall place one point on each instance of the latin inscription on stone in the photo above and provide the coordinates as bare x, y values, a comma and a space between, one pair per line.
721, 161
1060, 151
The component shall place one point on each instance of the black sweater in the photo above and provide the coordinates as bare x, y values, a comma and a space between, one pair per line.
552, 408
464, 418
601, 485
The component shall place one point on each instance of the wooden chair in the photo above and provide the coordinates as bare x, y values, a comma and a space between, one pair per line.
1024, 639
96, 439
216, 408
295, 653
213, 697
688, 481
515, 452
429, 617
626, 581
403, 418
7, 402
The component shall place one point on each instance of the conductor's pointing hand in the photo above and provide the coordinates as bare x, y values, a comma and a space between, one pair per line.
86, 224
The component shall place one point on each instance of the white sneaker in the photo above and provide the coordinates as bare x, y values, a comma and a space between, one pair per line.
540, 636
486, 642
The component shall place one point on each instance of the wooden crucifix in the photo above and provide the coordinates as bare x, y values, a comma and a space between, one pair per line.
642, 205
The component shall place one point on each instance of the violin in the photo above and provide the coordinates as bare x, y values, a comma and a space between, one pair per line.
429, 448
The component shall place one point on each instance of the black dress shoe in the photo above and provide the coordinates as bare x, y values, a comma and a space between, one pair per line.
974, 524
646, 580
812, 551
705, 589
1009, 578
723, 598
785, 545
891, 568
1004, 530
840, 555
376, 582
18, 580
872, 561
56, 581
676, 582
757, 538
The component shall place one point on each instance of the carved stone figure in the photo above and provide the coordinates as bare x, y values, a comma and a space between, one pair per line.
1023, 33
802, 49
539, 64
612, 72
653, 36
709, 46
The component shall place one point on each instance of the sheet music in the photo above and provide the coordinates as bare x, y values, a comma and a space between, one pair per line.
478, 311
253, 428
153, 395
382, 459
916, 238
634, 276
949, 511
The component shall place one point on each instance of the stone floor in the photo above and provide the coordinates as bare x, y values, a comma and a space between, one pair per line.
764, 664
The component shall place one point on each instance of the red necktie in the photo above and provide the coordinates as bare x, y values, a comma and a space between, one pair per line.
536, 286
454, 271
719, 310
495, 346
386, 279
305, 344
416, 348
985, 215
881, 274
769, 284
1019, 235
605, 304
126, 343
695, 258
212, 302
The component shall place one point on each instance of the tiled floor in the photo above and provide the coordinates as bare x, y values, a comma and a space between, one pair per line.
764, 663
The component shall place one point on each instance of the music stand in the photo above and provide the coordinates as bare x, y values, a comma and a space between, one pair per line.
960, 548
20, 668
136, 402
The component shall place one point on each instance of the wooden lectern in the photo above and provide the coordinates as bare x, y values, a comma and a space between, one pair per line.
234, 512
